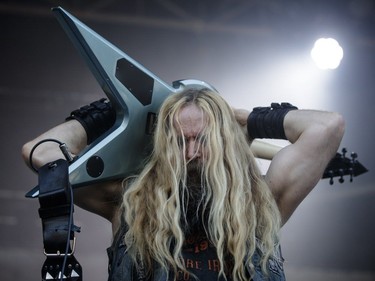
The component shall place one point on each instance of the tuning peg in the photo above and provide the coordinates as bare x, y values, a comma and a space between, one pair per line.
354, 156
344, 151
341, 173
330, 175
351, 174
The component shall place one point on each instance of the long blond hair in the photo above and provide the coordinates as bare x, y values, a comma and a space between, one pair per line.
241, 208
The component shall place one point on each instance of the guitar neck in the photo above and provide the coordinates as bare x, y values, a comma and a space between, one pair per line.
338, 167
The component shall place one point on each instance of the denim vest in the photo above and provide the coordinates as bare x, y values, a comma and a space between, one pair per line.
121, 266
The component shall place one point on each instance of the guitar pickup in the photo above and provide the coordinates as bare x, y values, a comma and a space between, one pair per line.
150, 123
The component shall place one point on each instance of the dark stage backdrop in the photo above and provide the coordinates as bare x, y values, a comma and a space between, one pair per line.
253, 52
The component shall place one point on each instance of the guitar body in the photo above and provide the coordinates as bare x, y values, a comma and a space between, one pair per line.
136, 95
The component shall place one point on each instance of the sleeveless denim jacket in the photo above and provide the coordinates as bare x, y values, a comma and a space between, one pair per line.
121, 266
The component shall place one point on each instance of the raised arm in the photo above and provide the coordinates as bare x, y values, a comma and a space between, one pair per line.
71, 133
102, 199
295, 169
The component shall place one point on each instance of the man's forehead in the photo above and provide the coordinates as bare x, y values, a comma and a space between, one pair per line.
190, 120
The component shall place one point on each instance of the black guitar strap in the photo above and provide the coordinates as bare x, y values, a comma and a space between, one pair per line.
58, 230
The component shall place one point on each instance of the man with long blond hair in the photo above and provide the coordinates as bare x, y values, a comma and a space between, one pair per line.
200, 209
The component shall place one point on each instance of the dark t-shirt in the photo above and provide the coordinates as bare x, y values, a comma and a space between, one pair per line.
200, 259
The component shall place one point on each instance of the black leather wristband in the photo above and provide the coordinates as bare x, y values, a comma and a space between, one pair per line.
96, 118
268, 122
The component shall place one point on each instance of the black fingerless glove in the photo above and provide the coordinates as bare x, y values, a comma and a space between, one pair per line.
96, 118
268, 122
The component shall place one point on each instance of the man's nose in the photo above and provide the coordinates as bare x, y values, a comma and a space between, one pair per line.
192, 149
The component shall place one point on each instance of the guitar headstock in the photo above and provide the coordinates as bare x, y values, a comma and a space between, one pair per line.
341, 166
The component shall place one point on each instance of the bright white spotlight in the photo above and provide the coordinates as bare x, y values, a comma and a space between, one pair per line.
327, 53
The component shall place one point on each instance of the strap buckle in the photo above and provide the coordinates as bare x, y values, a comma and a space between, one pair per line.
59, 254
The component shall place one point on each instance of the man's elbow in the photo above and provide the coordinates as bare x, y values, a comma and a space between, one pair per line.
335, 130
25, 152
337, 125
37, 157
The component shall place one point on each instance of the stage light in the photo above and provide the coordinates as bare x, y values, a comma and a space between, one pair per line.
327, 53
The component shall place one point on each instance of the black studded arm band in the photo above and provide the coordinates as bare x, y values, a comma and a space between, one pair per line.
268, 122
96, 118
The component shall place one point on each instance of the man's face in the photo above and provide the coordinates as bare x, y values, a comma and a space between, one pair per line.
191, 123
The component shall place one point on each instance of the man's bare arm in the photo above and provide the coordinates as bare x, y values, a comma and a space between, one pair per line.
102, 199
296, 169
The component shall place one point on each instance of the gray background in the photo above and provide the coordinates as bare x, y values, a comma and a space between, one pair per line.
253, 52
